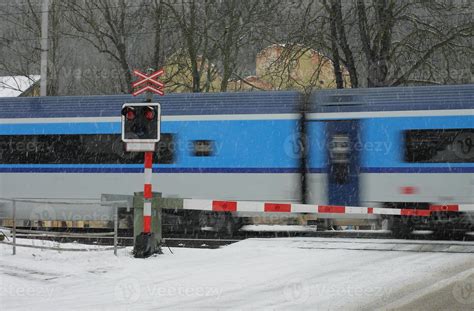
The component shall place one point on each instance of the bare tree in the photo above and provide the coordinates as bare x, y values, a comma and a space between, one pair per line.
110, 26
213, 46
303, 51
22, 34
187, 16
437, 36
393, 42
236, 20
159, 22
338, 38
207, 43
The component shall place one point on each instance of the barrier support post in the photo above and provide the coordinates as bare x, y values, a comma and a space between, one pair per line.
116, 207
147, 192
14, 227
147, 242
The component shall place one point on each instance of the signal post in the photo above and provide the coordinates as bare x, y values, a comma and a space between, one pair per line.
141, 132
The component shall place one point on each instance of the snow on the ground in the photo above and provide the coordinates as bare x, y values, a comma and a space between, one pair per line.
252, 274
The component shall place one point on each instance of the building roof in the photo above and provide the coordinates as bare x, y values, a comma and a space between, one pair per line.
14, 86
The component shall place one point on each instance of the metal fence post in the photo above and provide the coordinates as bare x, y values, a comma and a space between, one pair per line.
115, 228
14, 227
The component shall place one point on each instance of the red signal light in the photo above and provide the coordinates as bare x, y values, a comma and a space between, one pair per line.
129, 113
149, 113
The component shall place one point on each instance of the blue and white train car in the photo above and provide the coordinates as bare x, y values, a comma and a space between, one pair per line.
394, 146
229, 146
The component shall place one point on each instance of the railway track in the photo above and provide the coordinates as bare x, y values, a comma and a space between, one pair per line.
322, 243
215, 240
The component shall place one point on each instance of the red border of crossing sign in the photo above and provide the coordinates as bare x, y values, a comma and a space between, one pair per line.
148, 83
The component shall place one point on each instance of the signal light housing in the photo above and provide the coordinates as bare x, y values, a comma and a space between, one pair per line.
141, 123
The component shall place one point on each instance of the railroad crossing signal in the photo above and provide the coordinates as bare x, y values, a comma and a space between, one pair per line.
140, 132
148, 83
141, 123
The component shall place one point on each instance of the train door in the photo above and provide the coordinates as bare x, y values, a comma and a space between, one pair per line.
343, 154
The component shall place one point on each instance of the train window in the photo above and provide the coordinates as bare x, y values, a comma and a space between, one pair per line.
439, 146
77, 149
203, 148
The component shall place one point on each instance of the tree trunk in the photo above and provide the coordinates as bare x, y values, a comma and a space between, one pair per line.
335, 48
346, 49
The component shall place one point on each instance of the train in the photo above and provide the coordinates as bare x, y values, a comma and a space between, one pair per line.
376, 147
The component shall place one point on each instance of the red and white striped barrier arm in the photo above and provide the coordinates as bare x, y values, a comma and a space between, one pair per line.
452, 208
147, 192
268, 207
